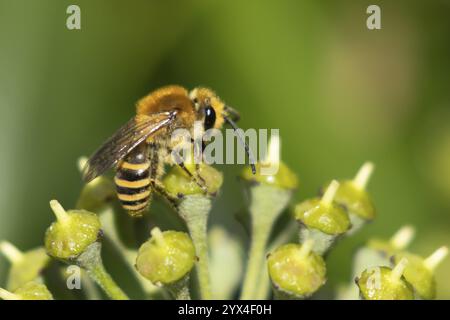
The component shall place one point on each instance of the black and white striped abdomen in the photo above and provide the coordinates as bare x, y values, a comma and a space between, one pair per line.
133, 181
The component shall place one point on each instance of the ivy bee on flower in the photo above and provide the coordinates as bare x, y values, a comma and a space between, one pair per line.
139, 149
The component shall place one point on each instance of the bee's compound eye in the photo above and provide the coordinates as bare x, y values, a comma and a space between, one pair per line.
210, 117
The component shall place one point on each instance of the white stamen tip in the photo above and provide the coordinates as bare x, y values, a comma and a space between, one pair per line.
329, 194
6, 295
436, 258
158, 236
10, 252
58, 210
274, 149
363, 176
398, 270
403, 237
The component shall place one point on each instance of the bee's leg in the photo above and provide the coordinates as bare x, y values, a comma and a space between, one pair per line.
196, 177
155, 172
159, 188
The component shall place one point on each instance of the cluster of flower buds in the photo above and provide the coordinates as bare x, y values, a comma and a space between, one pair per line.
413, 275
385, 283
298, 270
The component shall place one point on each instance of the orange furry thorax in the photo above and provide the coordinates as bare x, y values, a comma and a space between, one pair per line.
165, 99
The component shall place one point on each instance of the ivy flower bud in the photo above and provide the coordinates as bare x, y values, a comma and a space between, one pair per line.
25, 266
376, 253
178, 182
384, 283
295, 271
166, 257
353, 196
29, 291
71, 233
322, 219
398, 242
97, 193
272, 171
420, 272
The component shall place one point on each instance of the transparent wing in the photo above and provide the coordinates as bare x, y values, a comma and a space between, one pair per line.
130, 135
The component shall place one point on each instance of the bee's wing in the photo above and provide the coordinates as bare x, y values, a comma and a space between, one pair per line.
134, 132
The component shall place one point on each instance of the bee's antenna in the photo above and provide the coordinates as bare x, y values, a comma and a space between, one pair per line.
251, 158
233, 114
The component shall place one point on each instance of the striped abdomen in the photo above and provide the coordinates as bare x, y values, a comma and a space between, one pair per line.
133, 181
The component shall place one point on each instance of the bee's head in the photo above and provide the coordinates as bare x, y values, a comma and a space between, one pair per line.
210, 108
213, 112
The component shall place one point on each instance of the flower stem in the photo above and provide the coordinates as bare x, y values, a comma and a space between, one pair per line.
264, 286
91, 261
180, 289
194, 209
109, 227
267, 203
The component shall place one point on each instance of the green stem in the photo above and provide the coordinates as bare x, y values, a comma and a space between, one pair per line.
180, 289
260, 234
267, 203
194, 209
91, 261
108, 225
264, 287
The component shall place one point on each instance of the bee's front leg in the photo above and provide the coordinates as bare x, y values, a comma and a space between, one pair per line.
195, 176
161, 190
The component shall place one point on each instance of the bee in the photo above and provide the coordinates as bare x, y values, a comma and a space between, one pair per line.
139, 149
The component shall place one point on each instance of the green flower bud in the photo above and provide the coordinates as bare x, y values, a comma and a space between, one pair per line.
384, 283
177, 181
72, 233
376, 253
353, 196
166, 257
97, 193
29, 291
295, 271
284, 178
420, 272
398, 242
322, 220
272, 171
25, 266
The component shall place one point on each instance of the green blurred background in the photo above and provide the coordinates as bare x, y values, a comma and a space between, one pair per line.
340, 94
